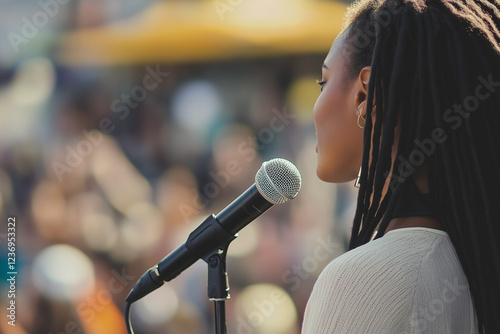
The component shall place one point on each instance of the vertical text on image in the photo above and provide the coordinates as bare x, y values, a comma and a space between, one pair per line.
11, 270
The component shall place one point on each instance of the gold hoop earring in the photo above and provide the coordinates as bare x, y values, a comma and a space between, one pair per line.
360, 116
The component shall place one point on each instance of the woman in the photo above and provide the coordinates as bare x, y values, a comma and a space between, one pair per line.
411, 94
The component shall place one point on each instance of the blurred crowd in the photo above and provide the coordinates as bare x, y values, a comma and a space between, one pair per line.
109, 169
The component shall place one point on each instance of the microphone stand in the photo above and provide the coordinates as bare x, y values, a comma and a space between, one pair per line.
218, 287
218, 284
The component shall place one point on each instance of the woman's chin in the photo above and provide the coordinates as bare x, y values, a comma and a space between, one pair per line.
331, 176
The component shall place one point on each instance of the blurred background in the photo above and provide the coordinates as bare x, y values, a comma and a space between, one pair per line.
124, 124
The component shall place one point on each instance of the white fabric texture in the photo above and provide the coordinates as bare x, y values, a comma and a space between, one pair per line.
409, 281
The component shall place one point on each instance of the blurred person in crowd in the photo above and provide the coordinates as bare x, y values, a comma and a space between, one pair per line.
410, 92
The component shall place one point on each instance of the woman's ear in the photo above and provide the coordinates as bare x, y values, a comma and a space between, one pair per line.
362, 88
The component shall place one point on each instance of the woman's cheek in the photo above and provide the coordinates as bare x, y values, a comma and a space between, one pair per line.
317, 109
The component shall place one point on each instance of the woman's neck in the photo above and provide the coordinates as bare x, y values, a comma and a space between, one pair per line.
420, 178
420, 221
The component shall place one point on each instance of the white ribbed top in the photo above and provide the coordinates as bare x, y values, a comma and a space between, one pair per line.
409, 281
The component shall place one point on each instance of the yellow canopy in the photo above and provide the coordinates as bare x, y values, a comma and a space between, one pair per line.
192, 31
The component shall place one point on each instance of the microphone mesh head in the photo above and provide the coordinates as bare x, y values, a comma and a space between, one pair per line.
278, 180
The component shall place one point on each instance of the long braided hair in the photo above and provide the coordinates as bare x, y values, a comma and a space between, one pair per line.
435, 74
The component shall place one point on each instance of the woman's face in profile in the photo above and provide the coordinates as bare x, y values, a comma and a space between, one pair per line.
335, 114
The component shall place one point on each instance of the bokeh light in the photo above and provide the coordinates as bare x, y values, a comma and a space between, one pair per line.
159, 308
266, 308
63, 272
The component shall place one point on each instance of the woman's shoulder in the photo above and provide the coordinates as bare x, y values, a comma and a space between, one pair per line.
402, 250
385, 280
400, 262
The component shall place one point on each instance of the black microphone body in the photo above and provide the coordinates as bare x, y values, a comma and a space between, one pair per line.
243, 210
215, 232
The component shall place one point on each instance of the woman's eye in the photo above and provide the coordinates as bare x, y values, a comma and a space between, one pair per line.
321, 83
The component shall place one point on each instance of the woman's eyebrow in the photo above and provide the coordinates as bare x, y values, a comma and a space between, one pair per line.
324, 66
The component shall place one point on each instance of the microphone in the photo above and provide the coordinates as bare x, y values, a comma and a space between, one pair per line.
277, 181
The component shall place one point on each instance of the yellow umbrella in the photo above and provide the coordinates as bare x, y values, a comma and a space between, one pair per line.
192, 31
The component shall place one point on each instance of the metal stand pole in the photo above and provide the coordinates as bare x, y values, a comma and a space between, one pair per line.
220, 316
